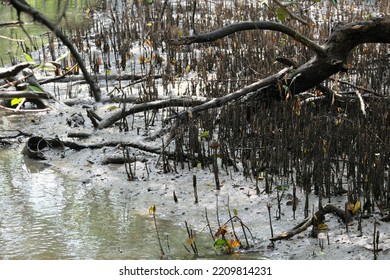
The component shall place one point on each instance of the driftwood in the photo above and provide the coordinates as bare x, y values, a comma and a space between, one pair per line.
314, 220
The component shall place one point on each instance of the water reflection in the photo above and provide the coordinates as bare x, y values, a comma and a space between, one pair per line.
45, 215
14, 41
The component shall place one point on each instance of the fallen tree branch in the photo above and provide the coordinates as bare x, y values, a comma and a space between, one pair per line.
220, 101
102, 77
25, 94
141, 146
327, 209
153, 105
251, 25
13, 71
10, 24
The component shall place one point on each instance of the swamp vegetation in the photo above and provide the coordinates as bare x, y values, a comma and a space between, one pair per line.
292, 98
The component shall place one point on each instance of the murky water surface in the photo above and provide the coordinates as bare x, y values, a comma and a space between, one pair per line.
46, 216
13, 41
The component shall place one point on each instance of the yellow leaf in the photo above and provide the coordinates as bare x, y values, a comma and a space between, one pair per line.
233, 243
322, 226
190, 241
152, 209
149, 43
284, 234
16, 101
143, 59
356, 207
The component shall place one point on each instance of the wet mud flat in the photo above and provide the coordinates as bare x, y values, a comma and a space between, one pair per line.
273, 160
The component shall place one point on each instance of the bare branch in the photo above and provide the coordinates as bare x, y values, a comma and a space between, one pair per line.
220, 101
14, 70
23, 6
250, 25
153, 105
25, 94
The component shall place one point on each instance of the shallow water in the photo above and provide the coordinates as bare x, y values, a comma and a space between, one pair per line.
14, 38
45, 215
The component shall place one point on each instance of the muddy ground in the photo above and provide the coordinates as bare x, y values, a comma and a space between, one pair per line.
152, 186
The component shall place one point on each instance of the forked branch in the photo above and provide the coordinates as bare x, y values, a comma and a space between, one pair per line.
251, 25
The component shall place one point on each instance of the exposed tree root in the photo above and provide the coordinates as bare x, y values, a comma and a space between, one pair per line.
314, 220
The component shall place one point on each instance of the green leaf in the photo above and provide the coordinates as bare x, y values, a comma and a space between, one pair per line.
295, 77
281, 13
334, 2
235, 212
35, 89
220, 242
47, 66
282, 187
28, 58
63, 56
16, 101
204, 134
149, 2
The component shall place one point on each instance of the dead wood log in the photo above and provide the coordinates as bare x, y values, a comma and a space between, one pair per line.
101, 77
153, 105
137, 145
25, 94
250, 25
8, 72
314, 220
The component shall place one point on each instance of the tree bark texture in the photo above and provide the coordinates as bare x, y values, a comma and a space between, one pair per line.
329, 58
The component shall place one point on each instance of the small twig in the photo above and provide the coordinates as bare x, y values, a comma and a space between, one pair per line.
208, 224
290, 13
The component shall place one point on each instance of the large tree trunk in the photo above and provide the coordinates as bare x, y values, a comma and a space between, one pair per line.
343, 39
330, 57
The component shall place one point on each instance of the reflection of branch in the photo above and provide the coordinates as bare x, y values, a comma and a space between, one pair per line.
250, 25
23, 6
